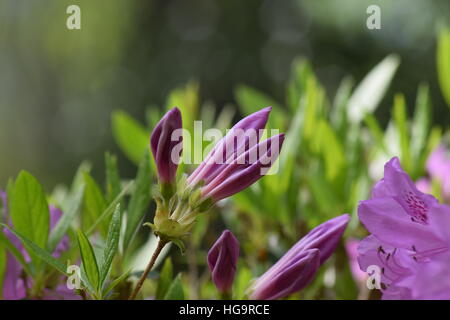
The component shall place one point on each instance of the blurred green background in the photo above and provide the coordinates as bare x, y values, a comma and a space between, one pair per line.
58, 87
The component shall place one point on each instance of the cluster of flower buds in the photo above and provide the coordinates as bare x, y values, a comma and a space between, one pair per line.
237, 161
295, 270
298, 267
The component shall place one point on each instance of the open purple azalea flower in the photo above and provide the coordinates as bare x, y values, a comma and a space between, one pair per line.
409, 229
297, 268
222, 260
14, 287
351, 247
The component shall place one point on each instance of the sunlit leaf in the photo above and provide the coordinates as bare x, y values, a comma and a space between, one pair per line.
175, 291
421, 124
368, 94
66, 220
165, 279
90, 265
132, 138
94, 202
29, 211
400, 119
112, 244
443, 62
37, 251
139, 200
112, 177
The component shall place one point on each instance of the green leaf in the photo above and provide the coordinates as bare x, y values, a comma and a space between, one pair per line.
6, 243
109, 210
324, 195
94, 202
165, 279
29, 211
300, 74
113, 284
331, 149
243, 279
78, 179
443, 62
90, 265
421, 123
313, 109
370, 91
251, 100
433, 141
376, 131
339, 111
112, 177
37, 251
66, 220
186, 98
112, 244
139, 200
400, 118
176, 291
132, 138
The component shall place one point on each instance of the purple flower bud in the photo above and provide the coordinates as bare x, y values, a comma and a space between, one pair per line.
244, 135
298, 266
324, 237
245, 170
291, 276
222, 260
162, 145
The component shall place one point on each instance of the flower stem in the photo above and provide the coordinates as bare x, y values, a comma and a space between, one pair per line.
161, 245
225, 296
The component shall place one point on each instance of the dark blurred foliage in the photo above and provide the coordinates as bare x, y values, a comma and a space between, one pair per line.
58, 87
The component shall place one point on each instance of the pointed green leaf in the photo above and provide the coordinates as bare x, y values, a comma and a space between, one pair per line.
251, 100
90, 265
376, 131
139, 200
112, 244
110, 209
186, 98
400, 119
176, 291
165, 279
94, 202
29, 211
6, 243
368, 94
37, 251
114, 283
443, 62
67, 218
112, 177
421, 123
132, 137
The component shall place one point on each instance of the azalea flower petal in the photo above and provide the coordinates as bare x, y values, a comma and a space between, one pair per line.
387, 220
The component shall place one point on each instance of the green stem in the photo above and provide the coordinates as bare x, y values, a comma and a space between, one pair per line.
161, 245
226, 296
